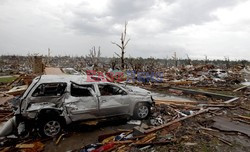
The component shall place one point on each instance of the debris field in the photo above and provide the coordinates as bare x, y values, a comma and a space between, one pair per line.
209, 111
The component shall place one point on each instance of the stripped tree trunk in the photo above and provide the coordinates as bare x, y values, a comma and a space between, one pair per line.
123, 45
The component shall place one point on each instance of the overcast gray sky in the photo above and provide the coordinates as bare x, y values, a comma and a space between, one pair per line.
157, 28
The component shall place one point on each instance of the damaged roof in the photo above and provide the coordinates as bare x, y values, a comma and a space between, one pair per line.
80, 79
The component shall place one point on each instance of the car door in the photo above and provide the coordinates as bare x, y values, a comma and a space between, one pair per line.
48, 92
113, 100
82, 103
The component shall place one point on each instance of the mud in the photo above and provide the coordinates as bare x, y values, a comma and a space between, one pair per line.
80, 135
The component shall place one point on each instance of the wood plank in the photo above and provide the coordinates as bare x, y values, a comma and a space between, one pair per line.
176, 120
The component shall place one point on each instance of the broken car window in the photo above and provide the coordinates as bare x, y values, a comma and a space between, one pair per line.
49, 89
107, 90
81, 90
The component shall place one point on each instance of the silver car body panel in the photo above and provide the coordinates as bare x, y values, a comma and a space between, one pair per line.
82, 108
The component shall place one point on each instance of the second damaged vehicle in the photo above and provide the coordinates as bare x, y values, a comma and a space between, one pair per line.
51, 102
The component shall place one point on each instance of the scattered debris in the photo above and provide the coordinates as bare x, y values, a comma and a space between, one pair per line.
217, 107
134, 122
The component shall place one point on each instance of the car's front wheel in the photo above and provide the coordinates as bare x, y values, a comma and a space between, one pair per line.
141, 111
50, 127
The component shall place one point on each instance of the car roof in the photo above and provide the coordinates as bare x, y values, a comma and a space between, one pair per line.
79, 79
63, 78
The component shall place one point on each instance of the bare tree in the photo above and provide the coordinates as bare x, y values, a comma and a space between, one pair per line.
227, 60
150, 64
136, 63
189, 60
113, 62
175, 59
93, 57
166, 61
30, 58
123, 45
206, 59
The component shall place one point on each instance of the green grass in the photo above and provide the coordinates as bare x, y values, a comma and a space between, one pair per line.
7, 79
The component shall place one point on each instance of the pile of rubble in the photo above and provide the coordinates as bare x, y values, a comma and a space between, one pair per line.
174, 125
6, 110
200, 75
177, 126
10, 92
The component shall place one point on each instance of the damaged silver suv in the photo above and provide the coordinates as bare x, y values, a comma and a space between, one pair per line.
51, 102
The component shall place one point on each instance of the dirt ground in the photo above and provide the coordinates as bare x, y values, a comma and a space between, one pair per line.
81, 135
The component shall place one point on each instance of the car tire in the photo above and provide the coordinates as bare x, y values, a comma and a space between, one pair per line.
50, 127
141, 111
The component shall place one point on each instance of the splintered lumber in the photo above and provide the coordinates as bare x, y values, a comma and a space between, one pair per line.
4, 94
36, 146
175, 102
244, 108
243, 117
153, 143
59, 139
125, 130
170, 128
15, 80
17, 90
240, 88
231, 100
220, 105
21, 146
147, 138
176, 120
123, 142
186, 106
209, 94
